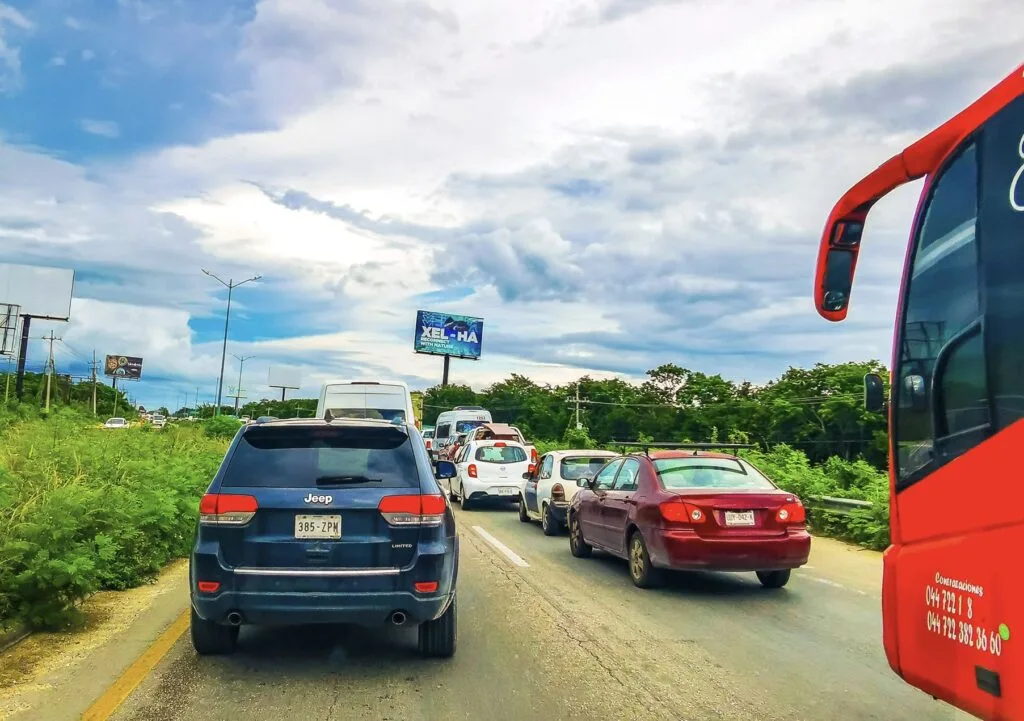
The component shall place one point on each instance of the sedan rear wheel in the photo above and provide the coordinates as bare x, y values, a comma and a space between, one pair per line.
523, 515
579, 547
548, 523
644, 575
774, 579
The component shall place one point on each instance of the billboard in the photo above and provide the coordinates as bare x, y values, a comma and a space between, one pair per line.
41, 292
284, 377
460, 336
123, 366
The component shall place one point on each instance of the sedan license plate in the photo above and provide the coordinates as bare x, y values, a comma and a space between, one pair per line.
506, 491
317, 526
739, 518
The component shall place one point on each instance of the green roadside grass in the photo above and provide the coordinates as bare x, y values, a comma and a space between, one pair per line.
83, 508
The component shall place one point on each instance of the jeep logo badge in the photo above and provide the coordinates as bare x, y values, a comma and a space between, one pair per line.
325, 500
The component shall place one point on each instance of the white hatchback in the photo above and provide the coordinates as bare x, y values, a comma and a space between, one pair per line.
489, 470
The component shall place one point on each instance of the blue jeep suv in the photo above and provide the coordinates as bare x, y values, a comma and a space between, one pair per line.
317, 521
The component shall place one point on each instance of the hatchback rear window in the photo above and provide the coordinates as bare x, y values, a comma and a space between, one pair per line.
696, 472
323, 457
575, 468
500, 454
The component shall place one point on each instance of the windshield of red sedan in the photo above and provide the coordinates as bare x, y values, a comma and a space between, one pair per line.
697, 472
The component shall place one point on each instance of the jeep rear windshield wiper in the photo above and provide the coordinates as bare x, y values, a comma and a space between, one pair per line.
338, 480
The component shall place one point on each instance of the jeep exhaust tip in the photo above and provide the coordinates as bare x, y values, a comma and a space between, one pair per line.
235, 618
398, 618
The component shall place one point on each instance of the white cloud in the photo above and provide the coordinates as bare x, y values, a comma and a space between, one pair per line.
10, 55
104, 128
623, 182
88, 55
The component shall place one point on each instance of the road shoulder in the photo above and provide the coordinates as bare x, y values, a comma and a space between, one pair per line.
57, 676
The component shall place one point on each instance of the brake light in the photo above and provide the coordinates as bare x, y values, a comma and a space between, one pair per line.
792, 513
425, 586
208, 586
412, 510
226, 509
499, 444
471, 470
557, 492
677, 511
533, 455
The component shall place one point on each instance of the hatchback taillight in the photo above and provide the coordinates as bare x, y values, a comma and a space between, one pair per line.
677, 511
791, 513
471, 470
419, 510
557, 492
227, 509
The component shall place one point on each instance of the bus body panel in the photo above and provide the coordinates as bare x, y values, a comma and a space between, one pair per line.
952, 582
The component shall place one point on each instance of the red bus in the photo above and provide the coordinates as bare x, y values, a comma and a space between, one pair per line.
953, 579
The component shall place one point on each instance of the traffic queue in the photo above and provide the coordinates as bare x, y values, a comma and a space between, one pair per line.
680, 507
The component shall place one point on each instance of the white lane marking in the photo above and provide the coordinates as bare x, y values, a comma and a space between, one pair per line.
508, 552
833, 584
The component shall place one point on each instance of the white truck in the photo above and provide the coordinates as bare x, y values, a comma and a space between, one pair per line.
387, 400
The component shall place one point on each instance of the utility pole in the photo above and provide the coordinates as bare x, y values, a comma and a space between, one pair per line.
49, 368
94, 381
230, 284
241, 362
7, 390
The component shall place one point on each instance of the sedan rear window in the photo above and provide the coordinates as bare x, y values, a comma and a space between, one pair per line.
575, 468
500, 454
323, 457
713, 473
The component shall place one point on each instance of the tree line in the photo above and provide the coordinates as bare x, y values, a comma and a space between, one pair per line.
818, 410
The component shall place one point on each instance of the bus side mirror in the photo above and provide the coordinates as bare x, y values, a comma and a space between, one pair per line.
838, 279
874, 393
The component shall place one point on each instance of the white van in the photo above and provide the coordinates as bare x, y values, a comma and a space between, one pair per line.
387, 400
449, 424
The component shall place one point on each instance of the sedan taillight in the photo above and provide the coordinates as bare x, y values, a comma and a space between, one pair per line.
471, 470
226, 509
677, 511
792, 513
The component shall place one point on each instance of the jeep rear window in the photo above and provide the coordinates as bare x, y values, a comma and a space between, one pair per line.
282, 457
500, 454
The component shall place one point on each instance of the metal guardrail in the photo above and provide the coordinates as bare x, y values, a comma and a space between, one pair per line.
842, 506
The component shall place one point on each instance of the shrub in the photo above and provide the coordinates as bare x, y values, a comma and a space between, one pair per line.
221, 427
83, 508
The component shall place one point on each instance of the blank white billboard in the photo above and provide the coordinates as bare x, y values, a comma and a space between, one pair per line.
284, 377
41, 292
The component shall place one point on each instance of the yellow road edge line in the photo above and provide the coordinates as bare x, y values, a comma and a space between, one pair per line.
105, 706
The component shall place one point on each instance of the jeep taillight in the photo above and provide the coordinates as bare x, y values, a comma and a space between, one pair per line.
557, 492
471, 470
419, 510
227, 509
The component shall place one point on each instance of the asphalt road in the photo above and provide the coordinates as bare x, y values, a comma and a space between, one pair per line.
566, 638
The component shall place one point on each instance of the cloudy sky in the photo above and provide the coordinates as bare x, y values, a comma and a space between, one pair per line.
611, 184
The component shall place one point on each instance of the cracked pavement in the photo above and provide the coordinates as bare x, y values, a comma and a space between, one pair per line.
566, 638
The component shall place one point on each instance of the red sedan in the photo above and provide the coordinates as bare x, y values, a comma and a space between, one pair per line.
685, 510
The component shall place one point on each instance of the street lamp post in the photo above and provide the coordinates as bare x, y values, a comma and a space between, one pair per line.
230, 284
238, 391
